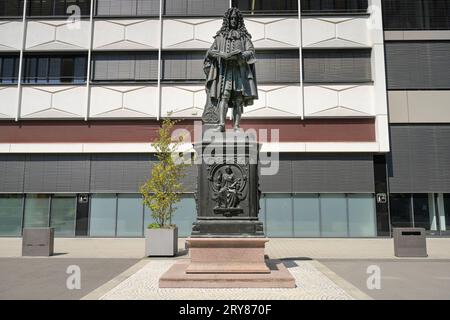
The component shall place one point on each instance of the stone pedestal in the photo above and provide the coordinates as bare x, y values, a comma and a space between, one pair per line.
177, 277
227, 255
227, 187
227, 243
227, 263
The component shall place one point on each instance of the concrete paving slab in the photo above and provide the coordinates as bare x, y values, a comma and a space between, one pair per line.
46, 278
399, 279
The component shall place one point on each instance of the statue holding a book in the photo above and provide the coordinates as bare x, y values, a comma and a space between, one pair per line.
230, 72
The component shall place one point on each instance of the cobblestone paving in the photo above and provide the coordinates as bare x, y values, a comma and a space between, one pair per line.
311, 285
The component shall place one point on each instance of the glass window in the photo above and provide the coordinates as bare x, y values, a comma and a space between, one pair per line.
306, 215
334, 6
416, 14
56, 7
185, 215
55, 69
400, 210
11, 209
421, 211
267, 6
279, 215
333, 215
195, 7
183, 66
447, 210
129, 215
11, 8
147, 217
127, 7
62, 215
102, 222
125, 67
9, 68
361, 215
337, 66
282, 66
437, 14
36, 210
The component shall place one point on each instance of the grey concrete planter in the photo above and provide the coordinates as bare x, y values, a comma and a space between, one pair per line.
38, 241
161, 242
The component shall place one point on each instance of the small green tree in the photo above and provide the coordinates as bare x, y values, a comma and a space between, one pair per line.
163, 189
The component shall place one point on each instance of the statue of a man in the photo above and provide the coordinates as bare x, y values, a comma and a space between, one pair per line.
230, 69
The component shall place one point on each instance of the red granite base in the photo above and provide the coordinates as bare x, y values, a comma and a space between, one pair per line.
227, 263
177, 277
227, 255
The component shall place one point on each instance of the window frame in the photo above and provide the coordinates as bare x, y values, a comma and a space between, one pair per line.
32, 78
54, 14
361, 80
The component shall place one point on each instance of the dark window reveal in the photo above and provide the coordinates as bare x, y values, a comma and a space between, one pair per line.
416, 14
337, 66
334, 6
169, 7
11, 8
418, 65
55, 69
195, 7
57, 7
267, 6
183, 66
125, 67
127, 8
281, 66
9, 68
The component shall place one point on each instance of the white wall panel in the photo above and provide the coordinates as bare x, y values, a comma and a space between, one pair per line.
336, 32
183, 101
274, 32
10, 35
123, 102
275, 101
57, 35
53, 101
189, 33
339, 101
126, 34
8, 105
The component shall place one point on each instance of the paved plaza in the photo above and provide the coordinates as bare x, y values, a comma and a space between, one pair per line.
276, 248
310, 282
323, 269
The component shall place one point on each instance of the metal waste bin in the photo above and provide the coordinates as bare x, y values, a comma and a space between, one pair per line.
410, 242
38, 241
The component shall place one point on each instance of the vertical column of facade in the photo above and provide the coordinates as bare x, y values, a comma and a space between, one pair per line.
20, 72
89, 60
379, 74
160, 56
300, 57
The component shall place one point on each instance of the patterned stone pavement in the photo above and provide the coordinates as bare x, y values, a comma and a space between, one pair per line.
312, 284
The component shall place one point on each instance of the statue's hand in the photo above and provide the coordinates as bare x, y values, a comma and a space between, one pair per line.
214, 54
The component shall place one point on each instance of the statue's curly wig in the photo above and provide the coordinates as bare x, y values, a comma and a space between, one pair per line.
226, 23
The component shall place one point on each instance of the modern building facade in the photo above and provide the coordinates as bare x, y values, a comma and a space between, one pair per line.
84, 85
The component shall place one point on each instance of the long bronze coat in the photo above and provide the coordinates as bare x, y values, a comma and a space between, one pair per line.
215, 68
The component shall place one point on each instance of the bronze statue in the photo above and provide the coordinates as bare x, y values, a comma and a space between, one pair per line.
228, 185
230, 71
